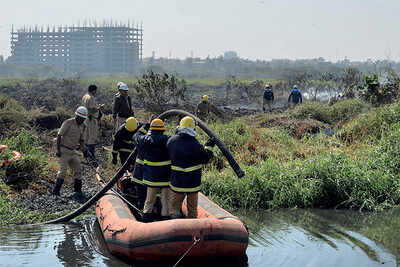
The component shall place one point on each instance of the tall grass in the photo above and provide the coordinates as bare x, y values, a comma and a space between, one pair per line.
315, 171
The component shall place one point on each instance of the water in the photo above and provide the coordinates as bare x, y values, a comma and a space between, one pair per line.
281, 238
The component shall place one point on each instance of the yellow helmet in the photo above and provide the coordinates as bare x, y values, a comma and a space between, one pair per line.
131, 124
204, 98
157, 124
187, 122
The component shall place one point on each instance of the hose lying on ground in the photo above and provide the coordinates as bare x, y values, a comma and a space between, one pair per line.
96, 197
225, 151
173, 112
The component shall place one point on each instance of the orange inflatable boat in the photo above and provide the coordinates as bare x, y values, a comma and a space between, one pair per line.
215, 233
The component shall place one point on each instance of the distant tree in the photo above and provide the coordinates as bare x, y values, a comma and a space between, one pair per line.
158, 91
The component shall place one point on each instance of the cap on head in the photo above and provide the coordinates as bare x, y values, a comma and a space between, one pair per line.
131, 124
204, 98
81, 112
92, 88
123, 87
187, 122
119, 83
157, 125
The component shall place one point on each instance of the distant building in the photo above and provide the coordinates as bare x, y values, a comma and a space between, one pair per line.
109, 48
230, 55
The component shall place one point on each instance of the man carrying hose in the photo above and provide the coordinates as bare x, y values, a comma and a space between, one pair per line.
187, 158
124, 142
69, 139
156, 168
122, 108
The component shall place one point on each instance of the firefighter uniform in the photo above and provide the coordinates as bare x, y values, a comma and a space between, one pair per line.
72, 135
137, 175
187, 158
70, 138
156, 167
203, 110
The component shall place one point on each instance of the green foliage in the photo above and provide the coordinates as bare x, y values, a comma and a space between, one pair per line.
157, 91
376, 93
371, 125
324, 181
340, 112
33, 160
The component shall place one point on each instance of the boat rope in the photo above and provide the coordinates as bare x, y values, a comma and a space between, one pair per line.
196, 240
112, 231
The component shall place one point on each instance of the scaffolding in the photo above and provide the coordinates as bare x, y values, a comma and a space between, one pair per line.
107, 48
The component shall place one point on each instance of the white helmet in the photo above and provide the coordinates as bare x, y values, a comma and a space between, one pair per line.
295, 86
123, 87
81, 112
119, 84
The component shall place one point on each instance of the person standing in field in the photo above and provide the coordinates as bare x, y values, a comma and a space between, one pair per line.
295, 97
203, 108
122, 108
92, 121
70, 138
268, 97
187, 158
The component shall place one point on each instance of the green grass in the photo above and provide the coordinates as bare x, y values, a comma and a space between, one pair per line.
315, 171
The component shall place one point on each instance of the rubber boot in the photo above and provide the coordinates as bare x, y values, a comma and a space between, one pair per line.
57, 187
78, 196
147, 217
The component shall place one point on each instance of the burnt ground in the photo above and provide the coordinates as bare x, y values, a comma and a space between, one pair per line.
40, 197
36, 194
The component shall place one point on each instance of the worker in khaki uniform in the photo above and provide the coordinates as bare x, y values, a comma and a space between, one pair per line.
156, 168
122, 108
94, 115
70, 138
187, 158
203, 108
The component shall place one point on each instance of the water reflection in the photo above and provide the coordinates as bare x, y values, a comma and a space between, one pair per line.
326, 237
280, 238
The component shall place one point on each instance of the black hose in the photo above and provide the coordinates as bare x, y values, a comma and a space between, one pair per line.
96, 197
225, 151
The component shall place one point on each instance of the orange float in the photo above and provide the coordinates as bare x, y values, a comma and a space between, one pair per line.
214, 234
17, 156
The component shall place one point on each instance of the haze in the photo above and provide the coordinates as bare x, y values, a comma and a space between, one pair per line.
260, 29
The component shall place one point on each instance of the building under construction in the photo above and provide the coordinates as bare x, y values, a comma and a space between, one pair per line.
107, 48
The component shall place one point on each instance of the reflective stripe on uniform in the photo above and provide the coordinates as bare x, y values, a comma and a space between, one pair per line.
208, 148
156, 184
136, 180
139, 161
160, 163
180, 189
142, 130
188, 169
128, 141
125, 150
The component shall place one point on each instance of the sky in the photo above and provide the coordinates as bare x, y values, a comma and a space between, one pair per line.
255, 29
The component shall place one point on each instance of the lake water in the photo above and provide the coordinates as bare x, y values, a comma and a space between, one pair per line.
280, 238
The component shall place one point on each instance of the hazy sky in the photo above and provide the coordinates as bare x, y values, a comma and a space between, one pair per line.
255, 29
